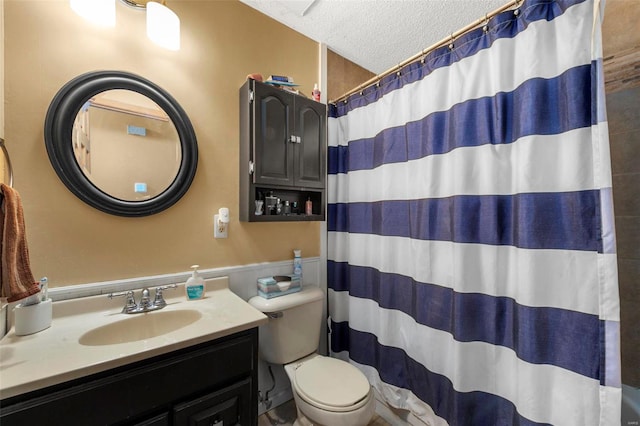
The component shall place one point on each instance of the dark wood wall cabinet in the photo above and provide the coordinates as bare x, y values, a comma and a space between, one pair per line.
283, 145
214, 383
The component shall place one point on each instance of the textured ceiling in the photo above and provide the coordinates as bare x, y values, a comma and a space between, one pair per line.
376, 34
379, 34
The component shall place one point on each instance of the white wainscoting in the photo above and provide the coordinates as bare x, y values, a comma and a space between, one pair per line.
242, 279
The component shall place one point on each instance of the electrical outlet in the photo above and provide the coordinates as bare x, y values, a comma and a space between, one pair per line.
220, 230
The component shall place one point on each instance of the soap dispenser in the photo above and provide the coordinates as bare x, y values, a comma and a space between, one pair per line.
194, 287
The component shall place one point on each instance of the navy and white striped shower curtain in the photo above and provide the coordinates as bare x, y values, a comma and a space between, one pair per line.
471, 254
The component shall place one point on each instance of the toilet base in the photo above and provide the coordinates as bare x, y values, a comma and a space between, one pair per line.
310, 415
301, 420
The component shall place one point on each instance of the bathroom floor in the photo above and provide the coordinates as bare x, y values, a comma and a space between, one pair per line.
285, 414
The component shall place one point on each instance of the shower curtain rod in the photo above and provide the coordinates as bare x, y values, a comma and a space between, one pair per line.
450, 39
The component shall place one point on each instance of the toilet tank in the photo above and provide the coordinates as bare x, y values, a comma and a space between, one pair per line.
293, 330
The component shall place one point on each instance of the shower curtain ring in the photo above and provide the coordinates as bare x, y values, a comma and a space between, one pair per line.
451, 42
485, 27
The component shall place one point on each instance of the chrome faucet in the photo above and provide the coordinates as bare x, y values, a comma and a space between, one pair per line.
145, 305
145, 300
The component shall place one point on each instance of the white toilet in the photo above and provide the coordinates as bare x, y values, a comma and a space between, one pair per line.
327, 391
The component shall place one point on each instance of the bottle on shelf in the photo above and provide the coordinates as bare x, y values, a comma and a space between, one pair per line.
316, 92
308, 207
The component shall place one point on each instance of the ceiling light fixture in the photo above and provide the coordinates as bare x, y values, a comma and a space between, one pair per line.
163, 25
98, 12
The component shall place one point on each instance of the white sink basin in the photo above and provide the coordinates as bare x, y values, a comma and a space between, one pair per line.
136, 327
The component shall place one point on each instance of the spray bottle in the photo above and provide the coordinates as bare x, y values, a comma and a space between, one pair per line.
297, 264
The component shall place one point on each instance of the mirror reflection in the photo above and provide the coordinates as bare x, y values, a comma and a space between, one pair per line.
126, 145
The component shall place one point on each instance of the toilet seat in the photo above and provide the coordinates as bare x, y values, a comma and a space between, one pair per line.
331, 384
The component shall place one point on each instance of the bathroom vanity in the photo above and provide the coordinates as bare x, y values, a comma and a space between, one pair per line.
87, 370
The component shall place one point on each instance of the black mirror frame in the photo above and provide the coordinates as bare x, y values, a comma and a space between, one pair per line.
58, 129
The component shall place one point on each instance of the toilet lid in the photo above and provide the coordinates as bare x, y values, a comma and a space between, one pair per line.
331, 382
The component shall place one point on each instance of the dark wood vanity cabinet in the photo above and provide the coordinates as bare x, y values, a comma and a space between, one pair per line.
214, 383
283, 143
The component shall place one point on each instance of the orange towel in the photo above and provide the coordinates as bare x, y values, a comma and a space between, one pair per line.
17, 279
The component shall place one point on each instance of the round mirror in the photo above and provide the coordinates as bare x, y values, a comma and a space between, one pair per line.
121, 143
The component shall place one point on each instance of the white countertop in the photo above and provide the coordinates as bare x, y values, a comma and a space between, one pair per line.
55, 355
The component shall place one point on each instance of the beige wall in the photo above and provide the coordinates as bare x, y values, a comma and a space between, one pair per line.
46, 45
2, 75
343, 75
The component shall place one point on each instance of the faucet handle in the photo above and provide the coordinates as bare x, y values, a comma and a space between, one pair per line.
130, 303
159, 301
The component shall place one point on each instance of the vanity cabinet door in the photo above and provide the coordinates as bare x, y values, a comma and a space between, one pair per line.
139, 393
160, 420
229, 406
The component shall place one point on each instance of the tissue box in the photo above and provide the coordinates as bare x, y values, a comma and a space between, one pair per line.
279, 285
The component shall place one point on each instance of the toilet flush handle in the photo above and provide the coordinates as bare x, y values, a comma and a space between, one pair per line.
274, 315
